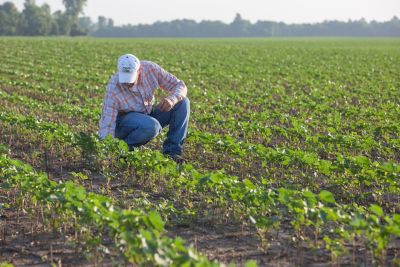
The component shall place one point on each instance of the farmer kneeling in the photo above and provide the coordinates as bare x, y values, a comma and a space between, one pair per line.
128, 112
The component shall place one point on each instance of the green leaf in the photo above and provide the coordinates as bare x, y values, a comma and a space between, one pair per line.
362, 160
311, 199
377, 210
122, 146
251, 263
324, 167
388, 167
249, 185
156, 220
396, 218
358, 222
327, 197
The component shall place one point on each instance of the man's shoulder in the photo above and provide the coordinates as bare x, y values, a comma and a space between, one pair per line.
114, 78
148, 65
112, 84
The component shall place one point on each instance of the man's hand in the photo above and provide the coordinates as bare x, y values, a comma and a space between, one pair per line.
165, 105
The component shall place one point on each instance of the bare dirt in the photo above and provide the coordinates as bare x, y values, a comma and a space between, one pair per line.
26, 240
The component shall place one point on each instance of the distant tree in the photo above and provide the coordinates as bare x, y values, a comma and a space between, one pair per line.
46, 8
54, 29
110, 23
9, 19
244, 28
263, 28
35, 20
64, 22
73, 8
38, 20
207, 28
101, 22
239, 26
86, 24
391, 27
76, 31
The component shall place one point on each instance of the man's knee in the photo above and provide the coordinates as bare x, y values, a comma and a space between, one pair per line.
146, 128
150, 129
184, 104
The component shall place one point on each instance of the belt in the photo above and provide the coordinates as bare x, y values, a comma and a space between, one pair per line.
123, 113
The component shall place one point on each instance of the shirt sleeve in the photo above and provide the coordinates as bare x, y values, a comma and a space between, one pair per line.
176, 88
108, 115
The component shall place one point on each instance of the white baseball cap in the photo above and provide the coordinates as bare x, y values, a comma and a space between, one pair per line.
128, 68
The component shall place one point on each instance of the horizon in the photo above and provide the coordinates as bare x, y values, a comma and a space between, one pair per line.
340, 10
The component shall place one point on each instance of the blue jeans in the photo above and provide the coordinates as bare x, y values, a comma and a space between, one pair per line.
137, 129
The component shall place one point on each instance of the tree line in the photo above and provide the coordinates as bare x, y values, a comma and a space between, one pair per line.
244, 28
37, 20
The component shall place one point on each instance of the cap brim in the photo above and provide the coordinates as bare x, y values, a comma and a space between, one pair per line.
126, 77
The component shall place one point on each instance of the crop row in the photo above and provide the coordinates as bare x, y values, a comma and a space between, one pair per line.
288, 118
381, 141
229, 142
381, 176
139, 236
267, 208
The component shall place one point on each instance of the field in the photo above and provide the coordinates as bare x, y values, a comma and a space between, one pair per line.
293, 156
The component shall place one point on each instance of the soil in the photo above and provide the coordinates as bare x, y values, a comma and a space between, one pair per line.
27, 242
228, 243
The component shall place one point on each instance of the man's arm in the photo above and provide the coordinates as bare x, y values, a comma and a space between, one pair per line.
108, 115
176, 88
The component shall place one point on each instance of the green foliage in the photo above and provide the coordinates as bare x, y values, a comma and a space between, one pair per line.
251, 263
36, 20
326, 197
137, 234
9, 19
285, 144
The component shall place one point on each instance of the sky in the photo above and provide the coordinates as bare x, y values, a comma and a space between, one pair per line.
289, 11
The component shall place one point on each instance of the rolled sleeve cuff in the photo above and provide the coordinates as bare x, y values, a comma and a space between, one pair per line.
104, 132
173, 98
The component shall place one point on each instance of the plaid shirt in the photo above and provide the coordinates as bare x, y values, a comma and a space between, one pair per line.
140, 97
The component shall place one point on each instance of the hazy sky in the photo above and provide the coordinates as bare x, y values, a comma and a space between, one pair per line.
292, 11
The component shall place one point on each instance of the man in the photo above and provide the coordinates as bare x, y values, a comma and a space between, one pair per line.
128, 112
